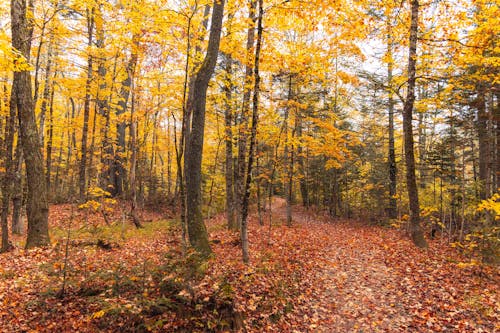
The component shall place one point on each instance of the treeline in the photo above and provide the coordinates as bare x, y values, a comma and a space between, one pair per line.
160, 103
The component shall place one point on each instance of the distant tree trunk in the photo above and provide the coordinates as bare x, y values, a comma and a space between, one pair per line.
8, 178
86, 108
45, 95
484, 143
288, 157
50, 133
37, 204
133, 163
119, 163
107, 176
239, 180
228, 117
393, 205
196, 106
302, 169
17, 193
259, 185
416, 232
253, 138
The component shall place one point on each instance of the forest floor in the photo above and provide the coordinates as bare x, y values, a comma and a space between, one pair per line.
320, 275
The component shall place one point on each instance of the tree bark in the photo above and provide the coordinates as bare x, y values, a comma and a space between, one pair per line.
37, 204
393, 205
239, 180
8, 178
86, 109
228, 117
288, 157
196, 106
484, 143
411, 183
50, 133
253, 138
17, 192
119, 163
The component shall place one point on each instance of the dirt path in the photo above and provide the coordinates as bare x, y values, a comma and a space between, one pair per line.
372, 279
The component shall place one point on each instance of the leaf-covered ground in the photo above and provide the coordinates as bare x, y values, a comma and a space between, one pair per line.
320, 275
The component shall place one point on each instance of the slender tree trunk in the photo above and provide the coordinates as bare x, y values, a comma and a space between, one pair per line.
393, 204
302, 170
37, 204
288, 157
196, 106
484, 143
119, 163
48, 162
416, 232
228, 117
253, 137
239, 180
45, 95
17, 193
133, 163
86, 108
8, 178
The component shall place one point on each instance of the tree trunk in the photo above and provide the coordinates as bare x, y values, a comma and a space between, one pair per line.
86, 109
228, 117
45, 95
416, 232
133, 164
253, 138
196, 106
119, 163
50, 133
288, 158
239, 180
8, 178
37, 204
393, 205
17, 192
484, 143
302, 167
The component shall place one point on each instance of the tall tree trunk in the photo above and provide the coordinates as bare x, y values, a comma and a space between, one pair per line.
8, 178
239, 180
393, 205
484, 143
17, 192
133, 162
228, 117
37, 204
50, 133
86, 108
107, 176
119, 166
288, 157
253, 138
302, 167
45, 95
416, 232
196, 106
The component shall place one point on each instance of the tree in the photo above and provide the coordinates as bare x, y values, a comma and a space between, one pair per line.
253, 137
416, 232
196, 106
37, 201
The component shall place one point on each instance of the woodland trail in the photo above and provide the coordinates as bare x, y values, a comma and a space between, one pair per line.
361, 278
358, 286
319, 275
